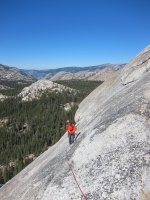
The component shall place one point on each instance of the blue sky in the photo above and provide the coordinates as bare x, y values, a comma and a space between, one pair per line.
42, 34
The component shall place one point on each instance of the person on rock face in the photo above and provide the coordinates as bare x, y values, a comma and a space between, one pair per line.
71, 129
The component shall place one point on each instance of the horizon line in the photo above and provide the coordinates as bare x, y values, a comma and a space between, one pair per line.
51, 68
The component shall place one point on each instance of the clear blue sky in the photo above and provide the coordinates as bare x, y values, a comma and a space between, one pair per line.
44, 34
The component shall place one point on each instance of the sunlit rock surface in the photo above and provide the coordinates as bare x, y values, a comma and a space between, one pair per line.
35, 90
111, 157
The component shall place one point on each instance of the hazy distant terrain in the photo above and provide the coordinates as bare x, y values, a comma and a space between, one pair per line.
51, 73
13, 74
97, 72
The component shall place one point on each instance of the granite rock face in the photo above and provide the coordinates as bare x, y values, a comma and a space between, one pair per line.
111, 157
137, 67
35, 90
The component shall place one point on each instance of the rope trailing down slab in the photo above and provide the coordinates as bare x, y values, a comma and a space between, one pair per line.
77, 183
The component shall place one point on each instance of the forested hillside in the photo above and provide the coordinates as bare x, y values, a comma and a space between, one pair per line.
12, 88
29, 128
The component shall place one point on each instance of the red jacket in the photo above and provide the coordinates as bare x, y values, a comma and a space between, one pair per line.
71, 128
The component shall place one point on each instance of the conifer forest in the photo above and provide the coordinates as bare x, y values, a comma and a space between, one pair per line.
29, 128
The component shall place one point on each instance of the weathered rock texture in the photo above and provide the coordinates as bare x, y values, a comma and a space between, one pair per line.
35, 90
111, 157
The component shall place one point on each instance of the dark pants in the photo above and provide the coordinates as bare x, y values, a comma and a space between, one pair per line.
71, 138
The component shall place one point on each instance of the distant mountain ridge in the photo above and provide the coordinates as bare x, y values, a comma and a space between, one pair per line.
38, 74
98, 72
13, 74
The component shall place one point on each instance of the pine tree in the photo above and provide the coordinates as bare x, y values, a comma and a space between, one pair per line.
5, 174
1, 177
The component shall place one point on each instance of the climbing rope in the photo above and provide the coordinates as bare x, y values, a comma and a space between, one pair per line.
75, 179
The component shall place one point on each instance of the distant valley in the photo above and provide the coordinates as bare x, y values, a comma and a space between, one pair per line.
66, 73
97, 72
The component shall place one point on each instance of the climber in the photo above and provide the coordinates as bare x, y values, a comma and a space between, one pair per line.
70, 128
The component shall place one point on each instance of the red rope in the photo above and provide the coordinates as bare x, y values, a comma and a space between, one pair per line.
76, 181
